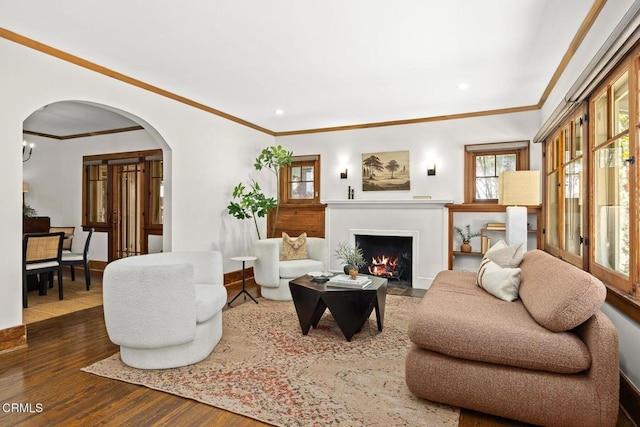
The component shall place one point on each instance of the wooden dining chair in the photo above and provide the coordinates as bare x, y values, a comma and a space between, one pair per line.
67, 242
72, 258
42, 253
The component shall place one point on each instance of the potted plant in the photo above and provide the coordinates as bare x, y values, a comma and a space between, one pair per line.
350, 255
466, 237
252, 202
28, 211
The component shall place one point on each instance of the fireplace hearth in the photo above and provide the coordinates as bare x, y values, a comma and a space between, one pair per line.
387, 256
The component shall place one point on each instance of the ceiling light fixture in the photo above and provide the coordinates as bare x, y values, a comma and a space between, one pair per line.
278, 112
463, 86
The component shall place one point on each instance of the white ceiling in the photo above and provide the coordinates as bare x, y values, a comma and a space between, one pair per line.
324, 63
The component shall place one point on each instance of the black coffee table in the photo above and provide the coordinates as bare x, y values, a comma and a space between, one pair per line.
350, 307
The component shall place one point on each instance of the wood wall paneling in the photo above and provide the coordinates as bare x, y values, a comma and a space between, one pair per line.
298, 219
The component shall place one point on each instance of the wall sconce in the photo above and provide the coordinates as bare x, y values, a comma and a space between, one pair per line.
431, 170
26, 155
343, 175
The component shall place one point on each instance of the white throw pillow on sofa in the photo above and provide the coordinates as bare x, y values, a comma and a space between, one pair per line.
505, 256
500, 282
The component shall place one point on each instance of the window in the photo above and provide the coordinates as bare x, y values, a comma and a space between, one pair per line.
591, 198
123, 196
300, 182
565, 190
485, 162
612, 177
95, 177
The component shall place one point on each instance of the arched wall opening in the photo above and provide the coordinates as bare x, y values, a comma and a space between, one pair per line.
54, 170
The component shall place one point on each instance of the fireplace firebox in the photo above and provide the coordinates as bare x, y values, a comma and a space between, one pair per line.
387, 256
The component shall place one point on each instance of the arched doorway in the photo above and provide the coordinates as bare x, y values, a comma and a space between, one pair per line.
59, 177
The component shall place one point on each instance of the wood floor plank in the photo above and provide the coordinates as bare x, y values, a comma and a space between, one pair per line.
47, 372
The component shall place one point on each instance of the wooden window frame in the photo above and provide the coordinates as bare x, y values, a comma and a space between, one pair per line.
553, 159
628, 302
625, 286
299, 161
471, 151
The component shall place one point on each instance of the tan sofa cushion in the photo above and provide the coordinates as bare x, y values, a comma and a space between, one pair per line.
558, 295
459, 319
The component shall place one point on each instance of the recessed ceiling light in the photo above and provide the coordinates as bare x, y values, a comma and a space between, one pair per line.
463, 86
278, 112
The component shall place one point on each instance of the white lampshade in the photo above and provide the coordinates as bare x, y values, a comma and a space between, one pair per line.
519, 188
25, 187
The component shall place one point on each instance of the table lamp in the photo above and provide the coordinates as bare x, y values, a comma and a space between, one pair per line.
517, 190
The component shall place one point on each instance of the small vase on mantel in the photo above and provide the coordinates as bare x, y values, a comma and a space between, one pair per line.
465, 247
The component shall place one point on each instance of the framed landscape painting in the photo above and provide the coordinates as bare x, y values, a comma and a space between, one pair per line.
386, 171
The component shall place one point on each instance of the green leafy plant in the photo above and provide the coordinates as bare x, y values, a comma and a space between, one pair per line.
28, 211
350, 254
252, 202
465, 235
274, 158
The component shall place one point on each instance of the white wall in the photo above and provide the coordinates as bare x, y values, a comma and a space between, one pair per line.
440, 142
207, 156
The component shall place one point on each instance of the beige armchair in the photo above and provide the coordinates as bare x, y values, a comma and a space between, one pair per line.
274, 275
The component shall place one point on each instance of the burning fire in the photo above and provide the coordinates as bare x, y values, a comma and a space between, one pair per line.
383, 265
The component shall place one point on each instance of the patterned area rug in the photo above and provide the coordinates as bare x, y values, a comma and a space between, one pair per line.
264, 368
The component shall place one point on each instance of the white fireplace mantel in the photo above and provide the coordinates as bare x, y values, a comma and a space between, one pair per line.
424, 219
387, 204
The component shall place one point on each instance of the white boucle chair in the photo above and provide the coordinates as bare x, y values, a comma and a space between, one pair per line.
274, 275
164, 310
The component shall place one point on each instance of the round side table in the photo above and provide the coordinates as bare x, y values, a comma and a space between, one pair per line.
244, 259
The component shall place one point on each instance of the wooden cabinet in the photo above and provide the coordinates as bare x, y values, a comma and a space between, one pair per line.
298, 219
485, 208
38, 224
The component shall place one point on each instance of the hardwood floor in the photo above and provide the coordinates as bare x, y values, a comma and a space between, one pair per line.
76, 298
43, 385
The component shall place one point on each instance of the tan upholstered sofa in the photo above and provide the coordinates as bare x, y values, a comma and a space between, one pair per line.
549, 357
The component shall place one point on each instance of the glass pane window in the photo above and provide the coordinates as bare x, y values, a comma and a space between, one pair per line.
566, 139
488, 169
505, 163
487, 188
600, 122
485, 166
97, 194
552, 213
551, 154
295, 174
620, 95
301, 190
301, 184
577, 139
573, 203
611, 205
